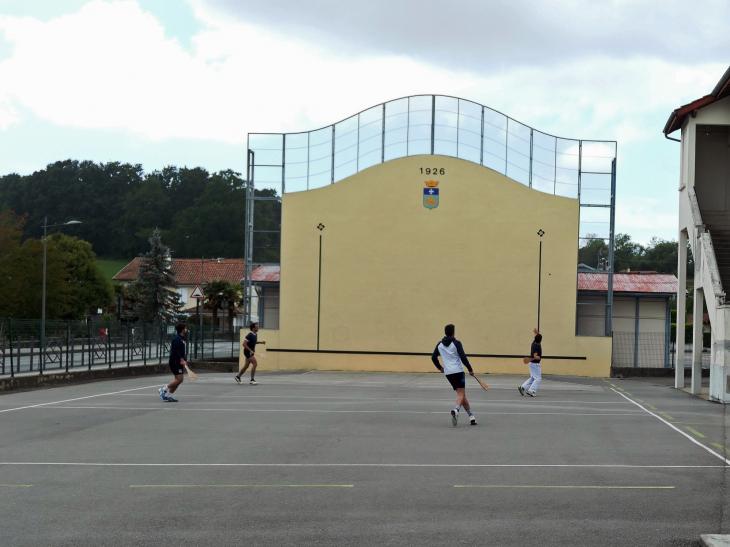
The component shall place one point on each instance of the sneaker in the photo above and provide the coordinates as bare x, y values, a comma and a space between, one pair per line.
454, 417
532, 394
162, 394
472, 420
521, 390
171, 398
237, 379
253, 383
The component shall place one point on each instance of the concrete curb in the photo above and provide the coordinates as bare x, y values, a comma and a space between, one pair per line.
715, 540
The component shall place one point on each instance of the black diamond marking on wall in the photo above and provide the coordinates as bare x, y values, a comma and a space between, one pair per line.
540, 232
320, 226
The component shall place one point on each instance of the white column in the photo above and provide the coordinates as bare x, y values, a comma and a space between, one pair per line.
697, 314
681, 311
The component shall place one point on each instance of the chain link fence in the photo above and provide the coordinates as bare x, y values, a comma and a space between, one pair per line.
651, 350
73, 345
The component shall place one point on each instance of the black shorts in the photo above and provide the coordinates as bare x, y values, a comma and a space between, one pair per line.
457, 380
247, 354
176, 368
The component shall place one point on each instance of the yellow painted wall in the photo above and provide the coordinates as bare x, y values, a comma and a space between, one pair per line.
394, 272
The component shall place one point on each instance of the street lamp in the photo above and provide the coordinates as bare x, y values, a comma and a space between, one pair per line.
43, 298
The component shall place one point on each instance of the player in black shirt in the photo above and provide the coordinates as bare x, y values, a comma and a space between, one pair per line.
249, 352
530, 386
177, 362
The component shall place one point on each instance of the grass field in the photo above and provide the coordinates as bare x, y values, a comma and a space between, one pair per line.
111, 267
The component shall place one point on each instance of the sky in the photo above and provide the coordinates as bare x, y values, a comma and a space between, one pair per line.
182, 82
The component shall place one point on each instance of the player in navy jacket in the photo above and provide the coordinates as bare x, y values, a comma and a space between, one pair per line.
177, 362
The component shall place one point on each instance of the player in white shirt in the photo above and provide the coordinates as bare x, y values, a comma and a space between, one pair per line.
452, 354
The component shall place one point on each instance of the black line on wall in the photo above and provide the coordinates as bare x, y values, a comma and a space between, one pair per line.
539, 287
319, 289
573, 358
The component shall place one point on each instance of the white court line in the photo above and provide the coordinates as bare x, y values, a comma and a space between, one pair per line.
727, 461
78, 398
176, 407
514, 400
486, 465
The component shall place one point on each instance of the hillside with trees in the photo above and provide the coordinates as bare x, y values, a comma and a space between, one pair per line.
198, 213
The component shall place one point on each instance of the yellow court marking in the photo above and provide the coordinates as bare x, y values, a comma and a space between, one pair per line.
638, 399
721, 447
627, 393
16, 485
651, 406
241, 485
695, 432
667, 416
618, 388
545, 486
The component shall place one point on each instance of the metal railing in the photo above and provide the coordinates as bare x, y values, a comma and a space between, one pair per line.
73, 345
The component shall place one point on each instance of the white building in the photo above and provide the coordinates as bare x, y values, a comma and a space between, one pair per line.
704, 220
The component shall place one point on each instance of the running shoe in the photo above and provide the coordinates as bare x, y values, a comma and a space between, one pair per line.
454, 417
532, 394
237, 379
253, 383
521, 390
162, 394
172, 399
472, 420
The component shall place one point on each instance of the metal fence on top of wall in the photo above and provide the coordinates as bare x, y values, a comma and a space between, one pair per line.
74, 345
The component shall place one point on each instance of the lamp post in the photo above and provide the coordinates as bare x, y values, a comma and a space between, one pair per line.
43, 297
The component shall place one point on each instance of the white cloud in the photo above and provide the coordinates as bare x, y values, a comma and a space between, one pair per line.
110, 66
645, 218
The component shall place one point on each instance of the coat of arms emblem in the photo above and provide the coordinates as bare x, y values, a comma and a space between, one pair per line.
431, 194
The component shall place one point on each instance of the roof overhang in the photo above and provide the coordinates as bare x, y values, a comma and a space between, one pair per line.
676, 118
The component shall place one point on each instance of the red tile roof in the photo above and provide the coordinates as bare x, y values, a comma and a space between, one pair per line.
187, 271
676, 118
629, 283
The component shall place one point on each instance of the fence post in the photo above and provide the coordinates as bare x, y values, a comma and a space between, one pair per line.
10, 337
32, 346
73, 349
163, 332
41, 350
128, 334
67, 341
202, 343
83, 348
212, 342
144, 344
91, 345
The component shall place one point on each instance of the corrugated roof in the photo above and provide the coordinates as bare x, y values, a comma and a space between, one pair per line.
187, 271
629, 283
270, 274
676, 118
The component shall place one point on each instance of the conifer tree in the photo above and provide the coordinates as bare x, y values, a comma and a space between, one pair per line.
156, 302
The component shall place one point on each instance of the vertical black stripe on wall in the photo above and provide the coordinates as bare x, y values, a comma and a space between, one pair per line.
539, 287
319, 290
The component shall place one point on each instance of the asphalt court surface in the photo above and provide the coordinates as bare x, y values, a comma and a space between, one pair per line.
341, 458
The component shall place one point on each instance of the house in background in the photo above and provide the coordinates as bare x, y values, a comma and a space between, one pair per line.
191, 272
641, 314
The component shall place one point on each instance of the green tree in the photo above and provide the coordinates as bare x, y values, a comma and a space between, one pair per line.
90, 290
155, 301
215, 293
212, 225
144, 210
